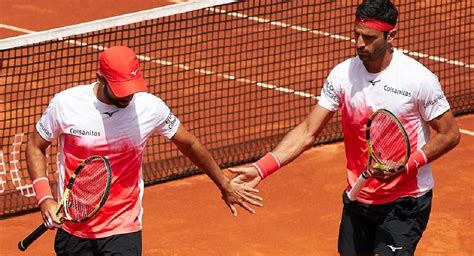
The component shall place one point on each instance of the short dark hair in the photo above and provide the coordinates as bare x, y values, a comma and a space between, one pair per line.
383, 10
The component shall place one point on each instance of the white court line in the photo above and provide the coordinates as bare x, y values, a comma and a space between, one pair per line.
124, 19
335, 36
23, 30
467, 132
274, 23
185, 67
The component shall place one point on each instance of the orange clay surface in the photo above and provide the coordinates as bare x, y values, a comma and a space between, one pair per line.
302, 203
300, 215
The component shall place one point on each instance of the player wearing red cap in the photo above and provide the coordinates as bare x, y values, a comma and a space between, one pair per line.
114, 117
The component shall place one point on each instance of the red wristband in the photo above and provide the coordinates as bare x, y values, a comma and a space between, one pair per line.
417, 160
42, 189
267, 165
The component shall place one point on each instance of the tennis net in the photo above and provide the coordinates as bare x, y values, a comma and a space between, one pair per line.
239, 74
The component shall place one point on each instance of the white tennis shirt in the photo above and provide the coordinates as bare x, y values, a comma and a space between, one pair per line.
85, 127
407, 89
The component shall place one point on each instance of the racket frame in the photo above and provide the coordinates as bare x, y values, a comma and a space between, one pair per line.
372, 156
41, 229
67, 192
364, 176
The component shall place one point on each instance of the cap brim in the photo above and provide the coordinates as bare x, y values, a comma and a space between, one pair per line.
127, 88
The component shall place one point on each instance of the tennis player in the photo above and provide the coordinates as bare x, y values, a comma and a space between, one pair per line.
392, 211
113, 117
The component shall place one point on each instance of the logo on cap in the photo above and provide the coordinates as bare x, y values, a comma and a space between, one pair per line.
120, 67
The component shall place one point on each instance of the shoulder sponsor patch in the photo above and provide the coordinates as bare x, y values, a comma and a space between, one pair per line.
45, 130
432, 102
328, 90
171, 121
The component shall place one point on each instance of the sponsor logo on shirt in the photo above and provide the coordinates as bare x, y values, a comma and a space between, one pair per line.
328, 90
110, 113
84, 132
171, 121
396, 91
45, 130
373, 82
393, 248
433, 101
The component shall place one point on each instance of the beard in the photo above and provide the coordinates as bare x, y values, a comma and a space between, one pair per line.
374, 55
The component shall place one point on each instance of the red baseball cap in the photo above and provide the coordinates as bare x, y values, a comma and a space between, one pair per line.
120, 66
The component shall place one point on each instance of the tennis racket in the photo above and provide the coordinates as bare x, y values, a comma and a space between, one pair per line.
388, 146
85, 193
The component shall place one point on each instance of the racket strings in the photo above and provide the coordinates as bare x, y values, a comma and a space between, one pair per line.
388, 142
88, 190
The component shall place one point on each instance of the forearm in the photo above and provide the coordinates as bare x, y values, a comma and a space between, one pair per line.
303, 136
446, 138
203, 159
439, 145
36, 160
36, 165
294, 144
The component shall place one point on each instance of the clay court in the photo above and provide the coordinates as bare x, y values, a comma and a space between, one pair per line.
300, 216
302, 202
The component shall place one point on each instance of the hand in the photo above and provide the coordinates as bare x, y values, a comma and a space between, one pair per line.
235, 193
48, 212
247, 176
384, 176
240, 193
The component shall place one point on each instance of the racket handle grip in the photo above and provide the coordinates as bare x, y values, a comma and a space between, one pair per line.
22, 245
352, 194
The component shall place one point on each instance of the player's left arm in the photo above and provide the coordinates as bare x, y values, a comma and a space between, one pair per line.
232, 193
446, 138
434, 109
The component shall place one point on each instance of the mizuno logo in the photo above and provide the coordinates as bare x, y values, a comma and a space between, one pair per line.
110, 113
134, 72
393, 248
373, 82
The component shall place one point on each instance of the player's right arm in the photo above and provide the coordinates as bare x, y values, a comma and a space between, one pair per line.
47, 130
303, 136
295, 142
300, 138
36, 165
36, 155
